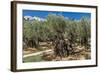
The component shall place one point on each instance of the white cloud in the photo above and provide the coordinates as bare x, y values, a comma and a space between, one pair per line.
34, 18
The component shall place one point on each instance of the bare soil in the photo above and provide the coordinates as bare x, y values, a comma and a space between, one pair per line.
80, 53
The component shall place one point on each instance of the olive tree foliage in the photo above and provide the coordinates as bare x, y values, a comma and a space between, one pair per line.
76, 31
72, 32
56, 24
85, 32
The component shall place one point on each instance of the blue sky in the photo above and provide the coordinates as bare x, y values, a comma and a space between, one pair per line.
44, 14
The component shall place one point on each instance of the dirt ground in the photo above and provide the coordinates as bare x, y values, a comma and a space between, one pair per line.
80, 53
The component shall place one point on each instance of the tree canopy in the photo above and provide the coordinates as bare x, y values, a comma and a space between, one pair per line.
76, 31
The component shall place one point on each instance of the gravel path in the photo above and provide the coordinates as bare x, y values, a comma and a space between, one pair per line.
37, 53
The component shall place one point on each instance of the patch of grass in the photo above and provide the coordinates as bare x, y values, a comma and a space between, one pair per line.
36, 58
87, 56
41, 49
